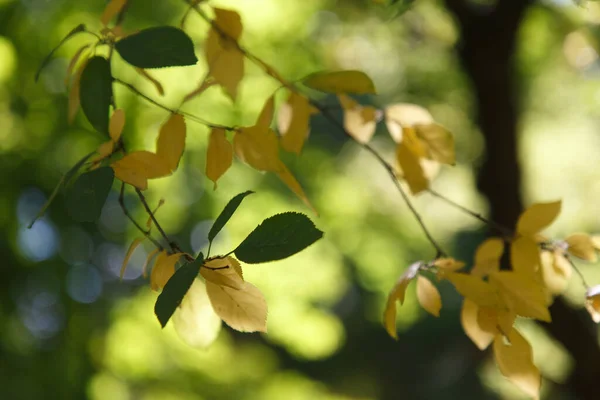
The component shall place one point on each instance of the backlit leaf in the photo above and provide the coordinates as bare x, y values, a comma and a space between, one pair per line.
163, 270
592, 302
111, 10
223, 271
88, 194
258, 148
355, 82
266, 114
171, 141
498, 321
229, 22
219, 155
137, 167
157, 47
288, 178
438, 141
428, 296
74, 95
475, 289
244, 309
226, 64
515, 361
447, 264
581, 246
226, 214
73, 63
278, 237
136, 242
147, 262
194, 320
537, 217
360, 122
470, 324
400, 115
487, 257
176, 285
116, 124
522, 294
525, 256
293, 122
95, 92
413, 172
556, 271
397, 294
157, 85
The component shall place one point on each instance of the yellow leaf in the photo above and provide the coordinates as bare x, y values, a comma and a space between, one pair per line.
438, 141
223, 271
495, 320
171, 141
205, 84
581, 246
400, 115
229, 22
116, 124
556, 271
360, 122
515, 361
137, 167
596, 241
244, 309
136, 242
525, 256
592, 302
152, 80
219, 155
258, 148
293, 122
288, 178
487, 257
163, 270
413, 172
522, 294
148, 259
104, 150
537, 217
397, 294
475, 289
194, 320
445, 265
355, 82
428, 296
111, 10
470, 324
73, 105
226, 65
266, 114
73, 62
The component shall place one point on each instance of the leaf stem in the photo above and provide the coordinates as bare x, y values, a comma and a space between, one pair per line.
151, 214
145, 232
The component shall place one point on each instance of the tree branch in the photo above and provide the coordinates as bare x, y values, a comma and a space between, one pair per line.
145, 232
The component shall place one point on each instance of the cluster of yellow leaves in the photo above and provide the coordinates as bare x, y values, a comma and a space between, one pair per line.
137, 167
493, 298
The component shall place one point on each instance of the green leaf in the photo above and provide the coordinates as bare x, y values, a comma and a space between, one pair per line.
226, 214
278, 237
79, 28
64, 180
157, 47
356, 82
175, 290
88, 194
95, 92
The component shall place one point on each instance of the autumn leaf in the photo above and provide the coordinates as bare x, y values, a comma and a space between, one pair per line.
522, 294
581, 246
137, 167
195, 321
111, 10
537, 217
468, 318
293, 122
219, 155
447, 264
592, 302
171, 141
487, 257
359, 121
412, 169
116, 124
223, 271
355, 82
400, 115
525, 256
164, 268
428, 296
74, 61
397, 294
556, 271
439, 142
148, 260
229, 22
288, 178
475, 289
157, 85
243, 309
515, 361
136, 242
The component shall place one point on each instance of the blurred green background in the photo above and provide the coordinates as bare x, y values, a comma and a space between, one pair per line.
70, 329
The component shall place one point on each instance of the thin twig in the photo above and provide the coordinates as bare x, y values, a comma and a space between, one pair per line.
568, 258
508, 233
145, 232
151, 214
